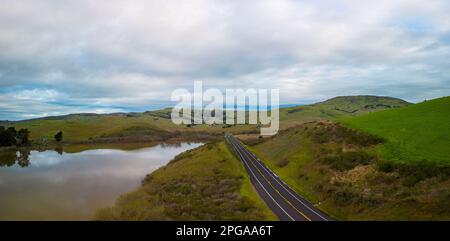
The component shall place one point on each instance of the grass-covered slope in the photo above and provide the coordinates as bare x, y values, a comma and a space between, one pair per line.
152, 125
78, 128
207, 183
416, 133
340, 171
338, 107
137, 127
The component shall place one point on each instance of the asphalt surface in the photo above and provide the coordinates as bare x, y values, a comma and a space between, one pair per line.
281, 199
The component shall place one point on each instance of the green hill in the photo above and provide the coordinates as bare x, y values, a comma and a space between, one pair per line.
85, 127
338, 107
119, 127
415, 133
340, 171
157, 125
387, 165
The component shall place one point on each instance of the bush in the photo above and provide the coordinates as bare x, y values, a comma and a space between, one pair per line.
324, 133
347, 160
416, 172
412, 173
254, 141
283, 163
345, 196
385, 166
59, 136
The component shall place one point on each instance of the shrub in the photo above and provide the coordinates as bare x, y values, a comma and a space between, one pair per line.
344, 196
59, 136
385, 166
412, 173
283, 163
324, 133
347, 160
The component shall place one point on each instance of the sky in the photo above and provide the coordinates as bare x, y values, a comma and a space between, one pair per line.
60, 57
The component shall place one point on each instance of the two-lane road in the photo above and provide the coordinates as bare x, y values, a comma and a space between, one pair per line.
280, 198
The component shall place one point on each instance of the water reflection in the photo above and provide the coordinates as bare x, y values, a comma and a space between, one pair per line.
10, 158
56, 185
59, 149
21, 157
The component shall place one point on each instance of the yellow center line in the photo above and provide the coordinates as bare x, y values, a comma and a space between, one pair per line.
301, 213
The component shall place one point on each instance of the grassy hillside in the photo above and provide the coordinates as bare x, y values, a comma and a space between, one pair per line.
207, 183
415, 133
340, 171
152, 125
338, 107
148, 126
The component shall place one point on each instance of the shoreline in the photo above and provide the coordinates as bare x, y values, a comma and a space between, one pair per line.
119, 143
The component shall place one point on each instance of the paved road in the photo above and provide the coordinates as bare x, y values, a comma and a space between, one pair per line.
283, 201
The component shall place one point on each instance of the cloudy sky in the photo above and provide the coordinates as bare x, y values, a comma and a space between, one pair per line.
59, 57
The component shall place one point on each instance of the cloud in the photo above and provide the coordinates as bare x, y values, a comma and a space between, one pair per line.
82, 56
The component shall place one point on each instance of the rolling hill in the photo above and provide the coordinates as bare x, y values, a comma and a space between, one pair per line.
338, 107
151, 125
416, 133
387, 165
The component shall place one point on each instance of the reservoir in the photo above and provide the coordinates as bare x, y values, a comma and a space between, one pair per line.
74, 184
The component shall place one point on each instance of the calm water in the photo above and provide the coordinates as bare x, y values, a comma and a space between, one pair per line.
53, 185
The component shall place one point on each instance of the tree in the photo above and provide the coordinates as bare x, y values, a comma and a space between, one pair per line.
23, 136
12, 131
59, 136
8, 137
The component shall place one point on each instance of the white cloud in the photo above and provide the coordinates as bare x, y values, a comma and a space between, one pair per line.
121, 55
37, 95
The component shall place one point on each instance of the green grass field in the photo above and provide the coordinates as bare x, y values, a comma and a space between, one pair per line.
415, 133
207, 183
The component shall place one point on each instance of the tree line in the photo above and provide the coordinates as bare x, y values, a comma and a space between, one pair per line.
11, 137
